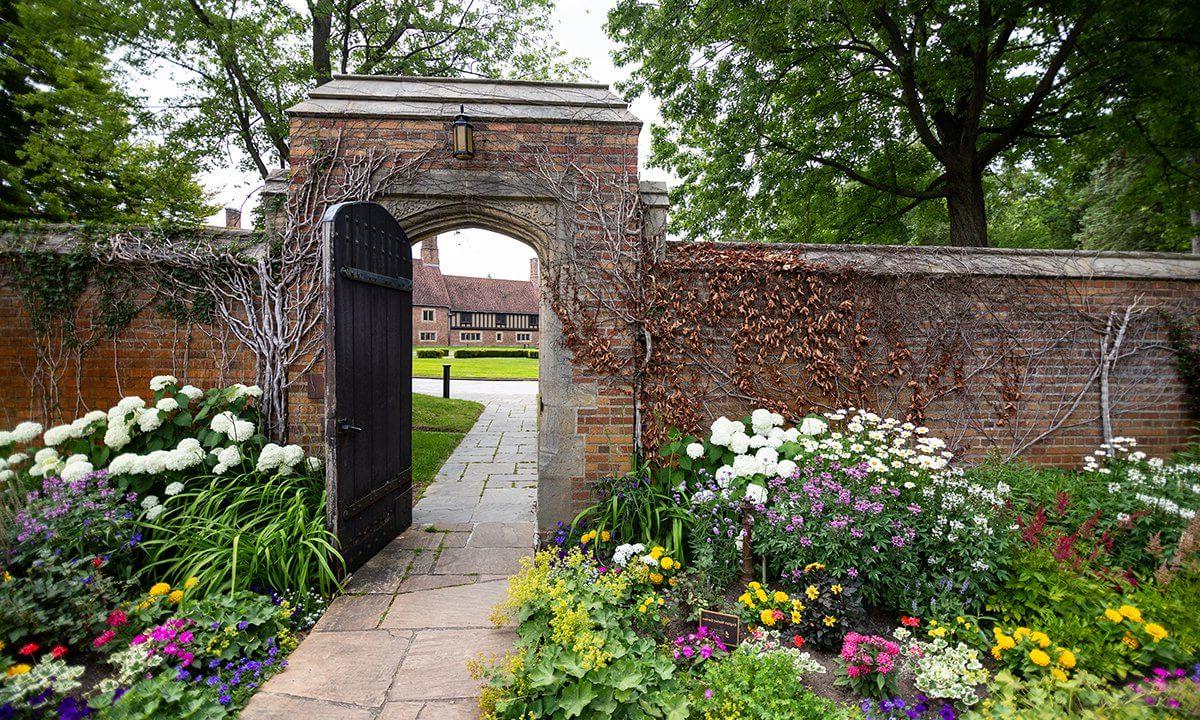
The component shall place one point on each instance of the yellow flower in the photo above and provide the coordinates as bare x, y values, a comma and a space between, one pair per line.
1040, 638
605, 536
160, 589
656, 552
1113, 615
656, 578
796, 618
812, 592
744, 599
1130, 612
587, 537
960, 620
1005, 642
781, 596
667, 563
1058, 674
7, 576
18, 669
1021, 633
1067, 659
830, 621
767, 617
754, 585
1130, 641
762, 596
836, 589
1039, 657
996, 651
937, 632
176, 596
814, 566
1156, 631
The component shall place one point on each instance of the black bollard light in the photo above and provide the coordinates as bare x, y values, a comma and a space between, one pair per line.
446, 380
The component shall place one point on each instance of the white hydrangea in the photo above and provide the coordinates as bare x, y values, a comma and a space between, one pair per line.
173, 489
314, 463
77, 470
812, 426
16, 459
695, 450
739, 442
293, 455
756, 494
624, 553
723, 430
762, 420
7, 475
191, 392
725, 475
167, 404
23, 433
786, 468
274, 457
227, 458
232, 427
117, 436
149, 421
149, 501
162, 382
153, 513
57, 435
239, 391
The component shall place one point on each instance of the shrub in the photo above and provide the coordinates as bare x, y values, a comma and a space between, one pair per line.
637, 508
870, 665
577, 654
57, 600
1084, 697
819, 612
431, 353
531, 354
491, 353
760, 686
872, 498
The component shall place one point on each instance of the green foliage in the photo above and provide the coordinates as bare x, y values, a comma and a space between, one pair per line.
577, 653
75, 144
1184, 336
491, 353
921, 93
239, 624
430, 353
247, 531
58, 599
531, 353
161, 696
1085, 696
638, 508
752, 686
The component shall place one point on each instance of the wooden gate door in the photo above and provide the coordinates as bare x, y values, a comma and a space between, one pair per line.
368, 389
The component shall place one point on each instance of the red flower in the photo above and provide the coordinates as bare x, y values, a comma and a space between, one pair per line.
117, 618
29, 649
797, 641
58, 651
907, 621
97, 561
103, 639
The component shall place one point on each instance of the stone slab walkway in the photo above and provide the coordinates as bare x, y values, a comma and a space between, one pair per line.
396, 645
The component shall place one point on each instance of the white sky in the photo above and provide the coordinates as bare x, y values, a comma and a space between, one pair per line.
580, 31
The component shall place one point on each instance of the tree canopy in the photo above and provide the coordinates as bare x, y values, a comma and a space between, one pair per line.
70, 145
898, 121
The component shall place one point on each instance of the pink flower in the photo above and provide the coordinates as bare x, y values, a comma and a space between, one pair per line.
117, 618
103, 639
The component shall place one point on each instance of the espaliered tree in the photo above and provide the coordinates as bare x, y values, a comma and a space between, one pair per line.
910, 101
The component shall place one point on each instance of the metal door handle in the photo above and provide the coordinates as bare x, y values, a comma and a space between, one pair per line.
344, 426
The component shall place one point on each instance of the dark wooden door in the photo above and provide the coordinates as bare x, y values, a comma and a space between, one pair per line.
368, 392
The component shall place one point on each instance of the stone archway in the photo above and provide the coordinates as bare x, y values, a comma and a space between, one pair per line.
585, 422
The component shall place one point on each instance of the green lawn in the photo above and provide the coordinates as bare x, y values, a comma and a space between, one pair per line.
478, 368
438, 428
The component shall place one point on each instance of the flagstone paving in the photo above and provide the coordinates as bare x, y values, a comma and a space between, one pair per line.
396, 645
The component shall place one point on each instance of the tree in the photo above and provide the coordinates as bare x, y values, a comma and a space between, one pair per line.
72, 145
914, 101
246, 61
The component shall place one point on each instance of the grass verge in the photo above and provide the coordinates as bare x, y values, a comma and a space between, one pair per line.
438, 428
478, 368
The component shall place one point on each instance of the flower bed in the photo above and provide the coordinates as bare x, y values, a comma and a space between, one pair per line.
159, 558
888, 582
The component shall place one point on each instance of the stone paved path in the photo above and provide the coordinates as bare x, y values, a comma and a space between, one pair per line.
395, 647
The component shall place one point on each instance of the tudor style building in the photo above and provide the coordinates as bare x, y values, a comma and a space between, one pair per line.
458, 311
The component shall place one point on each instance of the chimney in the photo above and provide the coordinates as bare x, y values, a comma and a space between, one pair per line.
535, 273
429, 252
233, 218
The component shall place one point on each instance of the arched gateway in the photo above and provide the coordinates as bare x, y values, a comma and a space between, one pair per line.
529, 138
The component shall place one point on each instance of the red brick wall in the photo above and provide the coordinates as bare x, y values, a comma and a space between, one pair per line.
440, 325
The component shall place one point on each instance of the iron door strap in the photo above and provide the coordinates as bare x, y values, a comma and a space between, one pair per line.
365, 502
371, 278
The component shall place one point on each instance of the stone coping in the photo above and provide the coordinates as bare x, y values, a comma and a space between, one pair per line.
62, 237
1008, 262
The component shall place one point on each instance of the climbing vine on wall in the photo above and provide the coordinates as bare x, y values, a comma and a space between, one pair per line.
1184, 336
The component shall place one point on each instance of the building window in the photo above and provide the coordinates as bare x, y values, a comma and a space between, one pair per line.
524, 337
469, 336
533, 321
428, 336
464, 318
501, 320
499, 337
426, 315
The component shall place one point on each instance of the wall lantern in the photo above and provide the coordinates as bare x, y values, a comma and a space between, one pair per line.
462, 133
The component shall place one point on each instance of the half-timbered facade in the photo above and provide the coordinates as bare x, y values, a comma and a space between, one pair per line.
459, 311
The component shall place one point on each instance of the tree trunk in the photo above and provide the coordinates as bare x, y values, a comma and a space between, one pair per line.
322, 27
1196, 226
968, 216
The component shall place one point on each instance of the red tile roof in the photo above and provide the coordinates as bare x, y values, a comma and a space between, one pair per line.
429, 288
491, 295
433, 289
